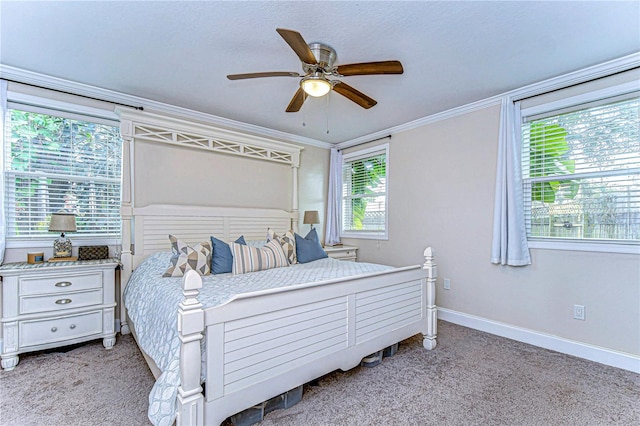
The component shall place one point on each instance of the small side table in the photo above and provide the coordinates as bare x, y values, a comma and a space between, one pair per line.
348, 253
51, 304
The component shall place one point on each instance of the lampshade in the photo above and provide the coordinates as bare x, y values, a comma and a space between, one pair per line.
311, 217
62, 222
315, 86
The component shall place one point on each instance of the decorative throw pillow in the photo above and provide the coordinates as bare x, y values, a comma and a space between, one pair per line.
251, 259
222, 259
288, 243
308, 248
186, 258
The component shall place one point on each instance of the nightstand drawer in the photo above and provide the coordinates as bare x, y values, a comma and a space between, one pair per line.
349, 253
59, 284
342, 254
57, 302
64, 328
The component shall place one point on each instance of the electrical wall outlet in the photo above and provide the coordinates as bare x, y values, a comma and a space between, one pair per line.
447, 284
578, 312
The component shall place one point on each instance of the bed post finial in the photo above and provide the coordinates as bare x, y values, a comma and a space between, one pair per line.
190, 328
430, 266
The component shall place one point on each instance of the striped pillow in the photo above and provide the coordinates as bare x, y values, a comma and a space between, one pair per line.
251, 259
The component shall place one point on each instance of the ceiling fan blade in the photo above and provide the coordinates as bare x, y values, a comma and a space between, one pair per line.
354, 95
297, 43
297, 101
368, 68
263, 74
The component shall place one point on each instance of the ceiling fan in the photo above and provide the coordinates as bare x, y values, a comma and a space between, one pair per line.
318, 65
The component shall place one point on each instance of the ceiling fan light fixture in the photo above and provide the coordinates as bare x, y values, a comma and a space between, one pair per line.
315, 86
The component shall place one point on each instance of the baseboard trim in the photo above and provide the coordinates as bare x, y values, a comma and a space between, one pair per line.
570, 347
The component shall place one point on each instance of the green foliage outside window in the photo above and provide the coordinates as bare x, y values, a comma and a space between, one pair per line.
366, 177
55, 163
549, 156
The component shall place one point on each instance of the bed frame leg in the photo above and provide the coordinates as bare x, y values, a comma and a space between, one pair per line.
190, 328
430, 266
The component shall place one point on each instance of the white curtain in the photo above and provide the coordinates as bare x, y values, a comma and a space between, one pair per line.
509, 233
332, 230
3, 109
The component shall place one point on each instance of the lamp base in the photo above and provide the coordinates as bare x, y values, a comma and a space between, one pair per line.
62, 247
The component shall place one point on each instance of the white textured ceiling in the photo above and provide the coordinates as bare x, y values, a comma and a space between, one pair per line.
179, 53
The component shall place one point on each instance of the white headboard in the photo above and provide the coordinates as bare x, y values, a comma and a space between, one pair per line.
145, 230
193, 224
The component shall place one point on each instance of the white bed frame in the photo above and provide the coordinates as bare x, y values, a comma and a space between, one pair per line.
262, 344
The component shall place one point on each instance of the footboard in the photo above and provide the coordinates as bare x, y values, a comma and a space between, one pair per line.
262, 344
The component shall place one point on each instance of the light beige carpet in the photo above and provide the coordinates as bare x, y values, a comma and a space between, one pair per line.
472, 378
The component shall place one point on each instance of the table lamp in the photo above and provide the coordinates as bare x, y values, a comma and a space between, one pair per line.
311, 217
62, 222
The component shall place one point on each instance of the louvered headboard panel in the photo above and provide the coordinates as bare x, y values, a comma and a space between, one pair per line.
191, 224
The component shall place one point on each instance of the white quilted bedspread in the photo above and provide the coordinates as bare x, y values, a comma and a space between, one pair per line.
152, 304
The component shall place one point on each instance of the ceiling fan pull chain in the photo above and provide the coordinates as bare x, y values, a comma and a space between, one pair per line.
326, 111
304, 112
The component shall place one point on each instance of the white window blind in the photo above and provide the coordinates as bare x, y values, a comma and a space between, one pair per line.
581, 172
61, 163
364, 193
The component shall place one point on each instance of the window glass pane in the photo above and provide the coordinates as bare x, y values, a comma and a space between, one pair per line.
364, 194
581, 173
54, 163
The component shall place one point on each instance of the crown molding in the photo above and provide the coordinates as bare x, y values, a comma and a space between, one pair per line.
601, 70
576, 77
48, 82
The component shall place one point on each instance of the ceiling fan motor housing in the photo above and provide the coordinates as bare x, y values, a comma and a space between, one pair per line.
325, 55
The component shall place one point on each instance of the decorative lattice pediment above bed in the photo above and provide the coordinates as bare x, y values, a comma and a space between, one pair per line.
151, 127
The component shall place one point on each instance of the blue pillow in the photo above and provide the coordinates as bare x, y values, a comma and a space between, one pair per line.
222, 259
308, 248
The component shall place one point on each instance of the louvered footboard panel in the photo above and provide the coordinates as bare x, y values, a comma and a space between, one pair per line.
265, 346
389, 308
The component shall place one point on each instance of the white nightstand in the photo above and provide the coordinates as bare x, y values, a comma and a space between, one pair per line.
51, 304
348, 253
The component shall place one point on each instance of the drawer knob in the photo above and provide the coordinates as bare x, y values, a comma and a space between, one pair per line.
63, 301
63, 284
72, 326
54, 329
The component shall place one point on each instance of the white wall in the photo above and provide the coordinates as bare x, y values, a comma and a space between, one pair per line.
441, 184
168, 174
313, 182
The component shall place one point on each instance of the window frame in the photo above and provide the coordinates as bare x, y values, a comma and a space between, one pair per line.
589, 245
42, 105
363, 154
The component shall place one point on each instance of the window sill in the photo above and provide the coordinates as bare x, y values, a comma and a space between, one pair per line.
47, 242
585, 246
365, 236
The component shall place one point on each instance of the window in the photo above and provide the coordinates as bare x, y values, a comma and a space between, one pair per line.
581, 170
364, 193
56, 161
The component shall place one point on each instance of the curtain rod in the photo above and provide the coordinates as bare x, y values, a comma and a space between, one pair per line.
575, 84
362, 143
139, 108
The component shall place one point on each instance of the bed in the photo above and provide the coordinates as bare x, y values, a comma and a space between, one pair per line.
257, 344
262, 343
